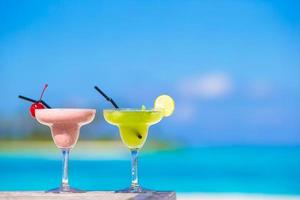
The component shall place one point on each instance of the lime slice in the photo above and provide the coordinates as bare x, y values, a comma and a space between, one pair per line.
165, 103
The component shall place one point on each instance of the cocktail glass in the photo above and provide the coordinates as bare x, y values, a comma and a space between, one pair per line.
65, 126
133, 126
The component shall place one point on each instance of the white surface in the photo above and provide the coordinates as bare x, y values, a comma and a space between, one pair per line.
203, 196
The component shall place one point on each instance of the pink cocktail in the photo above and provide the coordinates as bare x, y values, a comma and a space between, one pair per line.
65, 126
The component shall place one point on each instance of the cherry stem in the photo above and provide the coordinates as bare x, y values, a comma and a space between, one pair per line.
45, 87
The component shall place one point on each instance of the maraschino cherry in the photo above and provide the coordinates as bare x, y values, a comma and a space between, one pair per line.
38, 104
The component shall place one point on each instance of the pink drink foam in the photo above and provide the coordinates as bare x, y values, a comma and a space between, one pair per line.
65, 124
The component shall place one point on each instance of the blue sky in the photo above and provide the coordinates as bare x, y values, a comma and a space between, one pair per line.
232, 66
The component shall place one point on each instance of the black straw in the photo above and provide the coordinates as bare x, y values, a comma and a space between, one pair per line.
107, 97
33, 101
116, 106
137, 134
43, 102
27, 99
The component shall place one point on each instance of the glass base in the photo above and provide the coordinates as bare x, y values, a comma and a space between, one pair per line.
65, 190
136, 189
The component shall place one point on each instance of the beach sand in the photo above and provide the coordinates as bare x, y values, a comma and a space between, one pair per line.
204, 196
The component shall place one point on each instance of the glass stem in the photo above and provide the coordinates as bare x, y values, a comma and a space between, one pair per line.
65, 180
134, 170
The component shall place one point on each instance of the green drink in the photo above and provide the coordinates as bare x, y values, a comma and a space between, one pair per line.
133, 125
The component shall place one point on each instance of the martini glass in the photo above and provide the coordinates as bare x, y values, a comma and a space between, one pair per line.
65, 126
133, 125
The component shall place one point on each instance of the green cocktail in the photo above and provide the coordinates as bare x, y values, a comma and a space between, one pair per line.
133, 125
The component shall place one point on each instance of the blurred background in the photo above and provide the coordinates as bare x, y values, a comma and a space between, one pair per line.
233, 68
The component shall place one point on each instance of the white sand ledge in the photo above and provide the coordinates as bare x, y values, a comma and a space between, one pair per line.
233, 196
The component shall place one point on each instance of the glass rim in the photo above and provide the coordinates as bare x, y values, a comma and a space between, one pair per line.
131, 110
68, 109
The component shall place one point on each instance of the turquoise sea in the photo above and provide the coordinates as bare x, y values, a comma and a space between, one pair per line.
270, 170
